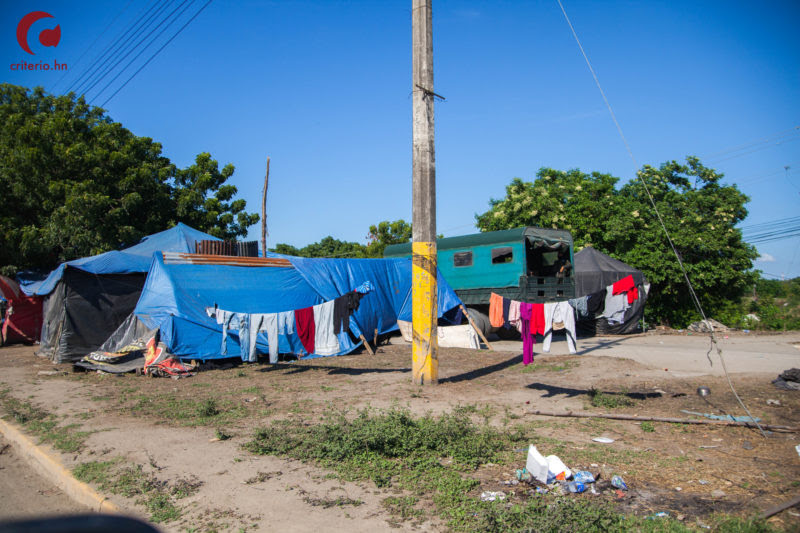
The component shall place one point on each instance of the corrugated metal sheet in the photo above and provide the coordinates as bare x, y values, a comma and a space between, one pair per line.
211, 259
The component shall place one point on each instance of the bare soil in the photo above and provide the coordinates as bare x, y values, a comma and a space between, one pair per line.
691, 471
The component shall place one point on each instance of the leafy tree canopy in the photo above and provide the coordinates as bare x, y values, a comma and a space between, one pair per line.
75, 183
380, 236
699, 213
386, 233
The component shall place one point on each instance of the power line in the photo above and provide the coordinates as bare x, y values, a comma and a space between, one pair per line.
82, 77
157, 52
145, 47
766, 139
697, 304
778, 143
770, 224
107, 65
76, 62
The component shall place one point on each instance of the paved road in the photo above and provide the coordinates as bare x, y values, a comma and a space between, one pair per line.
685, 355
25, 494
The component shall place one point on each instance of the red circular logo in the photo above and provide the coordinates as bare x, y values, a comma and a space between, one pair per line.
46, 37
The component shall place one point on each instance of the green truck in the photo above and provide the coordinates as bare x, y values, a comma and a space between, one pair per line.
527, 264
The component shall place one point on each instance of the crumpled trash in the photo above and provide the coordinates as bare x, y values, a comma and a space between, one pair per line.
583, 476
490, 496
704, 326
523, 474
660, 514
546, 469
788, 379
576, 486
619, 483
727, 418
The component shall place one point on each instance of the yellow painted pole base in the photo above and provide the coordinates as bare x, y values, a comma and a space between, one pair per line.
424, 292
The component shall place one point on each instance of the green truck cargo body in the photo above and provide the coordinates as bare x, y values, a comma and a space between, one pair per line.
519, 264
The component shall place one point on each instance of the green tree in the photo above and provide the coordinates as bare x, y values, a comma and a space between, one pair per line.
326, 247
385, 233
203, 200
699, 213
75, 183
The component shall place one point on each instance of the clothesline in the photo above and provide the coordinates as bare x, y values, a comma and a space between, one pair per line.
322, 329
531, 320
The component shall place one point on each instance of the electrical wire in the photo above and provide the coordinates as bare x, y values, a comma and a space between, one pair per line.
112, 62
81, 79
148, 44
77, 61
717, 161
712, 337
157, 52
766, 139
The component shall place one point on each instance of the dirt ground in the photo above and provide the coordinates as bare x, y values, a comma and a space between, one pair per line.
690, 471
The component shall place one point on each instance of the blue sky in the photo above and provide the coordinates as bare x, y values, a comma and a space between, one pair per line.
324, 89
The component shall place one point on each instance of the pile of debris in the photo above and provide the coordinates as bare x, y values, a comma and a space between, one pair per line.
788, 379
704, 326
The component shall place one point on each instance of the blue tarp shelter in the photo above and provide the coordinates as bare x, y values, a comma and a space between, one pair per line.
176, 295
87, 299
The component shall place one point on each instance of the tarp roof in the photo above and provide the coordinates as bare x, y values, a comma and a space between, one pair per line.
175, 296
594, 271
137, 258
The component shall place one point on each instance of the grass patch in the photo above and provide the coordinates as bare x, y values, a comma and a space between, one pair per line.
43, 424
327, 503
158, 497
549, 367
609, 400
221, 434
187, 411
432, 456
648, 427
403, 507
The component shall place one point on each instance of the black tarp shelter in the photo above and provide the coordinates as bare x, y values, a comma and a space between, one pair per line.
87, 299
594, 271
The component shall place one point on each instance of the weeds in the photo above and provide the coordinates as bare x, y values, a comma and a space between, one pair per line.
158, 497
609, 400
43, 424
187, 411
648, 427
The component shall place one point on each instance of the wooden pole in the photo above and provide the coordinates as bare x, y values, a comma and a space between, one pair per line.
425, 351
778, 508
476, 328
570, 414
264, 213
367, 345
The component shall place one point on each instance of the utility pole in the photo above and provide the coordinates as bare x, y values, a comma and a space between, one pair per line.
425, 354
264, 213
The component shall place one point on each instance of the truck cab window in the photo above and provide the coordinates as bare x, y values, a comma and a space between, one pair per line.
502, 255
462, 259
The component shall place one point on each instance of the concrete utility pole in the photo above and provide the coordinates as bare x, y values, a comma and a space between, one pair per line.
425, 364
264, 213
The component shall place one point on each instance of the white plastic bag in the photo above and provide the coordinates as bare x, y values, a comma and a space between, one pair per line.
537, 465
546, 469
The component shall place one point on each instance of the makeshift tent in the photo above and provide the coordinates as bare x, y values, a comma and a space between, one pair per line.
177, 293
22, 320
87, 299
594, 271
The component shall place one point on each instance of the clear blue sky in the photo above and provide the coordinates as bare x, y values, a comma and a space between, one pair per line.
324, 89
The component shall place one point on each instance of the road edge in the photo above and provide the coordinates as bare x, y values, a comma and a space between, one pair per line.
51, 468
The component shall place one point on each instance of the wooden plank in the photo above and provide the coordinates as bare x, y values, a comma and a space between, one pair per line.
471, 323
369, 349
